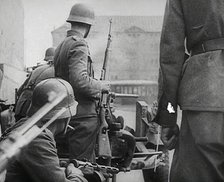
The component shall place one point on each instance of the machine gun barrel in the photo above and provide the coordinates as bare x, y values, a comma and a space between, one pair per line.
141, 139
147, 154
126, 95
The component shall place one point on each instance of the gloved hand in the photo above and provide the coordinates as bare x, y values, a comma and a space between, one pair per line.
93, 176
169, 136
154, 108
152, 112
72, 169
87, 170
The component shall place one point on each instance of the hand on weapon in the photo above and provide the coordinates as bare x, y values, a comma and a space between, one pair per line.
154, 108
71, 169
90, 173
152, 112
105, 86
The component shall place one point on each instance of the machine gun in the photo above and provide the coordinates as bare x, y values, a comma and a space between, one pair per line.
93, 172
95, 166
12, 144
104, 151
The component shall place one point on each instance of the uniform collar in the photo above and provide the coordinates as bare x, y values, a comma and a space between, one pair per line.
74, 32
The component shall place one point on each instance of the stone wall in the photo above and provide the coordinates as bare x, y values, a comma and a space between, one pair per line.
11, 47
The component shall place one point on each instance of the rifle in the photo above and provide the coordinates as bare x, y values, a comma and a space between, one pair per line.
104, 150
23, 135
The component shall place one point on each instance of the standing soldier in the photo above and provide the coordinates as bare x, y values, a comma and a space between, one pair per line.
25, 92
197, 85
73, 63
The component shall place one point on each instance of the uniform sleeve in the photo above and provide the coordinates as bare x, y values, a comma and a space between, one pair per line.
41, 162
78, 74
172, 53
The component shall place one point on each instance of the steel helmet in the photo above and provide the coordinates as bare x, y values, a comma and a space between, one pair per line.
49, 54
41, 94
81, 13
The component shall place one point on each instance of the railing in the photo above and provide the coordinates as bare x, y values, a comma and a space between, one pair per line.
147, 90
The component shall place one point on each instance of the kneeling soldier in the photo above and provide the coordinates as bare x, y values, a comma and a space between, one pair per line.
39, 161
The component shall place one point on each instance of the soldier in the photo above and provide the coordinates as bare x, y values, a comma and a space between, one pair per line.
73, 63
49, 54
40, 73
39, 161
197, 85
48, 59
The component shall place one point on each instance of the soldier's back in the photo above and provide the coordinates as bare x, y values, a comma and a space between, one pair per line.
41, 73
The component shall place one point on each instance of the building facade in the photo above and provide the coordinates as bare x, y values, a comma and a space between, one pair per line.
11, 48
134, 48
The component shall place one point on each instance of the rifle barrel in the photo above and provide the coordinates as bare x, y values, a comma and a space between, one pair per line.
106, 56
147, 154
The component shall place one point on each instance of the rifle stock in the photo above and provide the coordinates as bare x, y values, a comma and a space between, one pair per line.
104, 149
103, 139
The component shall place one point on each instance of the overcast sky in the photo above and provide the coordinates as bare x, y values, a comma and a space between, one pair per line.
43, 16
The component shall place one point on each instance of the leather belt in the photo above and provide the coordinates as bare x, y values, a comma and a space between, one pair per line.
209, 45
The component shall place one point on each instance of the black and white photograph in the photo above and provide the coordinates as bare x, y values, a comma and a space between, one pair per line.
111, 91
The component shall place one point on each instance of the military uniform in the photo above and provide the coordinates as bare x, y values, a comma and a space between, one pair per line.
73, 63
26, 90
196, 84
38, 162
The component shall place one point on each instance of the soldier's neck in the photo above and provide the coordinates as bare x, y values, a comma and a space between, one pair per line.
80, 30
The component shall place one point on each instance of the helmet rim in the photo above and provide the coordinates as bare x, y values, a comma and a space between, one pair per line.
81, 13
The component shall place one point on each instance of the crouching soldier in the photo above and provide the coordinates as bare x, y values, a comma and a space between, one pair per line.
39, 161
